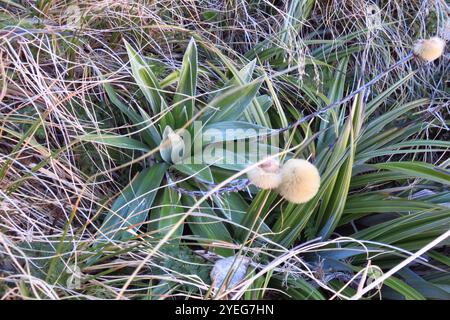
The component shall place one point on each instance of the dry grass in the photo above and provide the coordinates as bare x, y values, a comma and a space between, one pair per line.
54, 189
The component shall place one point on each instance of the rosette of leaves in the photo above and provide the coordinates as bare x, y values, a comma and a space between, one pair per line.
148, 197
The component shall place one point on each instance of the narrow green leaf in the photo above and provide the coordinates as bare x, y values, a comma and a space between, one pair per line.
148, 136
130, 209
207, 227
387, 118
379, 99
146, 80
401, 287
417, 169
184, 98
199, 171
170, 213
236, 130
230, 105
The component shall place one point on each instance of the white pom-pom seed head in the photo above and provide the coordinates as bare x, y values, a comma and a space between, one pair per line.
266, 175
300, 181
429, 49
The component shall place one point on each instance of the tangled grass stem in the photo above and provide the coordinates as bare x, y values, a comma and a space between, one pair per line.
233, 186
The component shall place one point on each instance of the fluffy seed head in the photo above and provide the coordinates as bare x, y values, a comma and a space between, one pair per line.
266, 175
429, 49
300, 181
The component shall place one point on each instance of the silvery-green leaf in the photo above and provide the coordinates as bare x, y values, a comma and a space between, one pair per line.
172, 146
229, 271
166, 147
